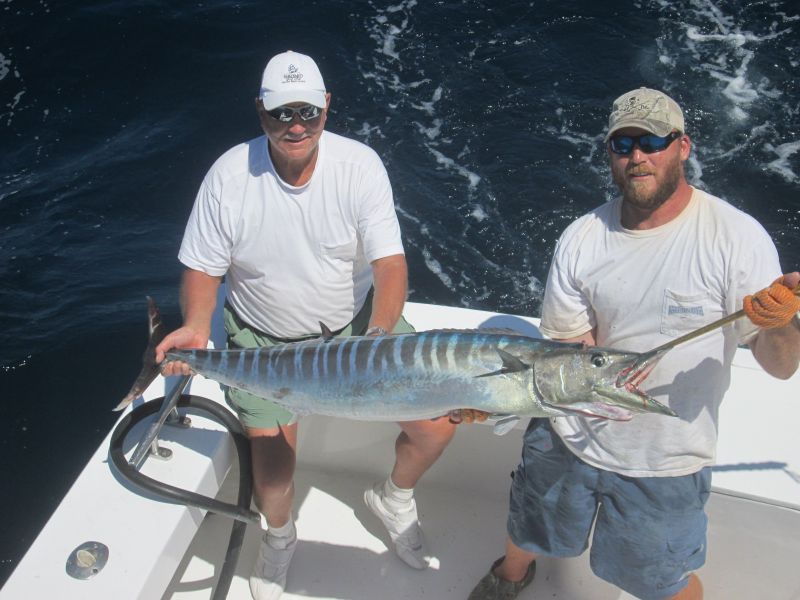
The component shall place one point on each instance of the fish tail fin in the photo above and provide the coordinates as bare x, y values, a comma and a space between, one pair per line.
150, 368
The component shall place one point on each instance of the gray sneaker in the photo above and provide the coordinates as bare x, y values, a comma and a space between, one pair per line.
403, 528
269, 573
492, 587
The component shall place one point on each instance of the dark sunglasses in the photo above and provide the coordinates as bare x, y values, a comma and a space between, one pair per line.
285, 114
648, 143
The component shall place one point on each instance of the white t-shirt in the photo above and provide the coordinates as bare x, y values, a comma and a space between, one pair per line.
294, 256
641, 289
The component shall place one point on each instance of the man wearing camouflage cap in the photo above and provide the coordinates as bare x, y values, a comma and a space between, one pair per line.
662, 260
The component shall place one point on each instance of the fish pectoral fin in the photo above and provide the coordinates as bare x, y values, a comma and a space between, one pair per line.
505, 424
511, 364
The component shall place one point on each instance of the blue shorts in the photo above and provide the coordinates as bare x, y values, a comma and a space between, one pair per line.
650, 532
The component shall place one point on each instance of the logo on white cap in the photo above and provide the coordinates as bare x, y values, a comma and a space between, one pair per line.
293, 74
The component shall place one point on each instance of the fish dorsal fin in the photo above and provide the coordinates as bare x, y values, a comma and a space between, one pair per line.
511, 364
327, 334
506, 424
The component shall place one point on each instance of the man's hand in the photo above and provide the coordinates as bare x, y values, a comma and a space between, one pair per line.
468, 415
184, 337
774, 306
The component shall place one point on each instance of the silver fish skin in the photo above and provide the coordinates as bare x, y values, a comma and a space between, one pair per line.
429, 374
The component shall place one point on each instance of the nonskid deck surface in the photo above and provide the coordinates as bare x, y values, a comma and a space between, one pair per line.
343, 551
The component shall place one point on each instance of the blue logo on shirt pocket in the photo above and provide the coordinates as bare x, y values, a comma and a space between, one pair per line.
682, 313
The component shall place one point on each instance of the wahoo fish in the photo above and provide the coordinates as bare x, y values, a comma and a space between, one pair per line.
429, 374
424, 375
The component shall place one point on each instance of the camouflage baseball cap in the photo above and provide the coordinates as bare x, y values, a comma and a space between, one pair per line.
646, 109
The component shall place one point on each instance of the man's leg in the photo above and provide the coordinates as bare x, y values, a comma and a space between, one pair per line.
416, 449
514, 566
692, 591
274, 456
551, 509
509, 575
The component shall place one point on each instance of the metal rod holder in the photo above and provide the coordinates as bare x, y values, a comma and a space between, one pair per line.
148, 446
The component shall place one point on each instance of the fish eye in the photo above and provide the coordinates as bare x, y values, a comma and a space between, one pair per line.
598, 360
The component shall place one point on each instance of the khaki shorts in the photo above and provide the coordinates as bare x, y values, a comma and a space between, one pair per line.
260, 413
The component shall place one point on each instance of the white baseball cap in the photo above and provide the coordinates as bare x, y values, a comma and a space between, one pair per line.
292, 77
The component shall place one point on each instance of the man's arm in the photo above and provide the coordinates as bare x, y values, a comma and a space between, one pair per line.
390, 278
777, 350
198, 300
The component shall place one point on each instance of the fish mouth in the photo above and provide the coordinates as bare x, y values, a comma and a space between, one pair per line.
633, 376
633, 400
630, 378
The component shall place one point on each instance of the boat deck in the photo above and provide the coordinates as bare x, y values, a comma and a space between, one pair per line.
164, 550
344, 553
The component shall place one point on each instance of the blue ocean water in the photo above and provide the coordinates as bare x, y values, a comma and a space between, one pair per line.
488, 115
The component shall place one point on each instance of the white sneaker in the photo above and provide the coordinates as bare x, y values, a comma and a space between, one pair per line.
403, 528
269, 573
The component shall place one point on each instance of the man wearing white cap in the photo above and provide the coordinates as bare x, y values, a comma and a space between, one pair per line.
661, 261
301, 223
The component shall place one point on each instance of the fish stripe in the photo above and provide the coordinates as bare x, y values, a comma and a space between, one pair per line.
372, 366
416, 361
315, 363
442, 346
258, 361
462, 352
239, 372
397, 352
354, 358
390, 355
297, 364
325, 354
339, 359
425, 351
223, 361
408, 352
450, 353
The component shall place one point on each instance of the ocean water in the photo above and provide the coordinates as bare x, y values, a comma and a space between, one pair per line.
488, 115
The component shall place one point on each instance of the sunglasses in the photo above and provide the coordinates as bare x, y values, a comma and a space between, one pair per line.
648, 143
285, 114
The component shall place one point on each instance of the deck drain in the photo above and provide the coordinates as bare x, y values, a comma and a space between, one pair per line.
87, 560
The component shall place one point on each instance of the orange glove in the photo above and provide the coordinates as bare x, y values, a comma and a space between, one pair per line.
468, 415
772, 307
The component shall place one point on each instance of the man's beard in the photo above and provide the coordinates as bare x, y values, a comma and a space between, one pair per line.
645, 200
